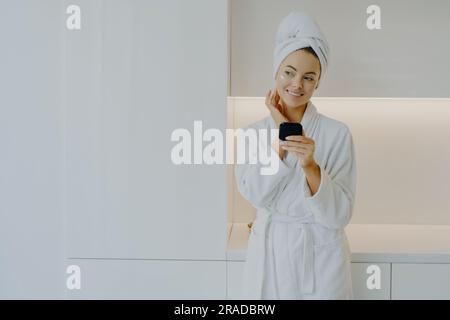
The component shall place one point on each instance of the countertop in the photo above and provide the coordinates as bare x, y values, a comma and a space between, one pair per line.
373, 243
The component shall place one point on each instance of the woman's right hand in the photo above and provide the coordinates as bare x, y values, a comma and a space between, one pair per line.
275, 108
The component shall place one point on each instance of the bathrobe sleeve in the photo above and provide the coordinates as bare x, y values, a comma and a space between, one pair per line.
332, 204
260, 190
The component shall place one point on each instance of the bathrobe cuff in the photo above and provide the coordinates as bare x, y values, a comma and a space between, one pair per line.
317, 200
286, 165
290, 160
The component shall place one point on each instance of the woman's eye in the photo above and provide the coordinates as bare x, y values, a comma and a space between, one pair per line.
309, 79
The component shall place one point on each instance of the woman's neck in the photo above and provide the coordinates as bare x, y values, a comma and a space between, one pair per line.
295, 114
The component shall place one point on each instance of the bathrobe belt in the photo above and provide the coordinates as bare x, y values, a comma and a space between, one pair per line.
307, 267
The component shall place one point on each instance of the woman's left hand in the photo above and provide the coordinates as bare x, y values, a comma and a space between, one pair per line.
303, 147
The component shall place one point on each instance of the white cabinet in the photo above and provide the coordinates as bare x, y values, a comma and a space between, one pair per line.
138, 224
128, 86
150, 279
31, 227
235, 271
406, 262
420, 281
377, 274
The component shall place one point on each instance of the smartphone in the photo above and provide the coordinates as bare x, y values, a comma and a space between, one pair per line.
290, 129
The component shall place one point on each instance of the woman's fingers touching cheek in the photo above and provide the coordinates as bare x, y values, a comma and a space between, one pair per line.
277, 97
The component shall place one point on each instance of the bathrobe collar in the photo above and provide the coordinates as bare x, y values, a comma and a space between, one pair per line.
309, 121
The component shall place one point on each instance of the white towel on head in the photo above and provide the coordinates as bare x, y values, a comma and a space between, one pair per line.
299, 30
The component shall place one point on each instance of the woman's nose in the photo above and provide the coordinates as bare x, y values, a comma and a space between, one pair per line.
296, 82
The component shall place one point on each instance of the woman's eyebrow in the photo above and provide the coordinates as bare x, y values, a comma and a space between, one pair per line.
312, 72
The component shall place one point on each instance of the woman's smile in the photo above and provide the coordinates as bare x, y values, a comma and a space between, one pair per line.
294, 94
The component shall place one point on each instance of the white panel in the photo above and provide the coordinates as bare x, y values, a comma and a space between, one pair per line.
359, 279
31, 220
420, 281
150, 279
362, 272
135, 72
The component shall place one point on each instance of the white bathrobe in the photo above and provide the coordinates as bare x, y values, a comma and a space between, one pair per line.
297, 248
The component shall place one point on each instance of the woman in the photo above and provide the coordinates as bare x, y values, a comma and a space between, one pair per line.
297, 247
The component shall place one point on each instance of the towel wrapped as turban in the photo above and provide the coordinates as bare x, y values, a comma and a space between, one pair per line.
299, 30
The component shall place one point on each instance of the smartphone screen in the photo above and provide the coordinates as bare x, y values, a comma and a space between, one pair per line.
290, 129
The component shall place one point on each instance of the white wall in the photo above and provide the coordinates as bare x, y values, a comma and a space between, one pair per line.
31, 220
407, 57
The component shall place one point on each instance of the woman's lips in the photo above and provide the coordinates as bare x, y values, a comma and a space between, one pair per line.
294, 94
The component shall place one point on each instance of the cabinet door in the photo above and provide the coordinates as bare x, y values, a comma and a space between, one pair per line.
134, 73
31, 220
371, 281
235, 271
360, 277
149, 279
420, 281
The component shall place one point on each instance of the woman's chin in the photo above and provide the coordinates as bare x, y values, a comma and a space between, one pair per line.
295, 104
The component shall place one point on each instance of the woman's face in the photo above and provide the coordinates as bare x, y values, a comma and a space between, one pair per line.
297, 78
